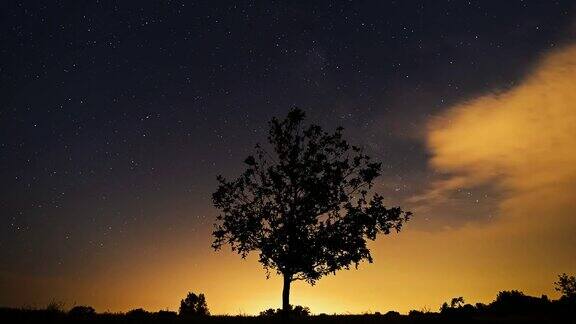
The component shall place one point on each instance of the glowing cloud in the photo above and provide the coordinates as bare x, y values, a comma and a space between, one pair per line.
523, 140
520, 142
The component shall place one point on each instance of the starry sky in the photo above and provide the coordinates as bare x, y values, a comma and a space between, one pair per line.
116, 117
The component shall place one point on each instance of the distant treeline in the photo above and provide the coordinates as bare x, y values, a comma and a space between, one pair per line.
508, 307
509, 303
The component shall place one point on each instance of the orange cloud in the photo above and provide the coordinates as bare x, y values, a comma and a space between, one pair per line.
522, 140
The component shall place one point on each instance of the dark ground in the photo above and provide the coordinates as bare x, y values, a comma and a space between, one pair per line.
37, 316
508, 307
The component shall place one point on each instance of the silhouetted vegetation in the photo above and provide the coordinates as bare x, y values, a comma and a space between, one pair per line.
292, 312
566, 285
81, 311
509, 307
513, 304
138, 313
55, 307
194, 305
304, 204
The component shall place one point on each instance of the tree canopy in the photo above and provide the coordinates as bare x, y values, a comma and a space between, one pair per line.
304, 203
194, 305
566, 285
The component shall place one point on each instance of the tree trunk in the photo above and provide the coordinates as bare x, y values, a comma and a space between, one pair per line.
286, 293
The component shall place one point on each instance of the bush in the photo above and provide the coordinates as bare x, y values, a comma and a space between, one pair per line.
194, 305
82, 311
55, 307
415, 313
166, 315
515, 302
138, 313
392, 314
294, 311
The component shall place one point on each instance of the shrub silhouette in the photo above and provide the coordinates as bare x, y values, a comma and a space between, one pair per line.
480, 307
515, 302
305, 206
457, 306
509, 307
269, 312
293, 311
457, 302
194, 305
166, 315
415, 313
55, 307
138, 313
392, 314
82, 311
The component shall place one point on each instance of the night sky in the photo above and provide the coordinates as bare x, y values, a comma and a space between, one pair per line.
116, 117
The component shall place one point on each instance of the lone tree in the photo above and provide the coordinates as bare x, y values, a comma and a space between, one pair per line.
194, 305
304, 204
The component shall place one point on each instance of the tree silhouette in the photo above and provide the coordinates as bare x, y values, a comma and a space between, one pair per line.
457, 302
304, 206
194, 305
566, 285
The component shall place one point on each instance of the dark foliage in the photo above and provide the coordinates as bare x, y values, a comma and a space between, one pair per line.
515, 302
566, 285
510, 304
457, 302
55, 307
82, 311
166, 315
509, 307
305, 206
138, 313
415, 313
194, 305
391, 314
559, 311
293, 311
